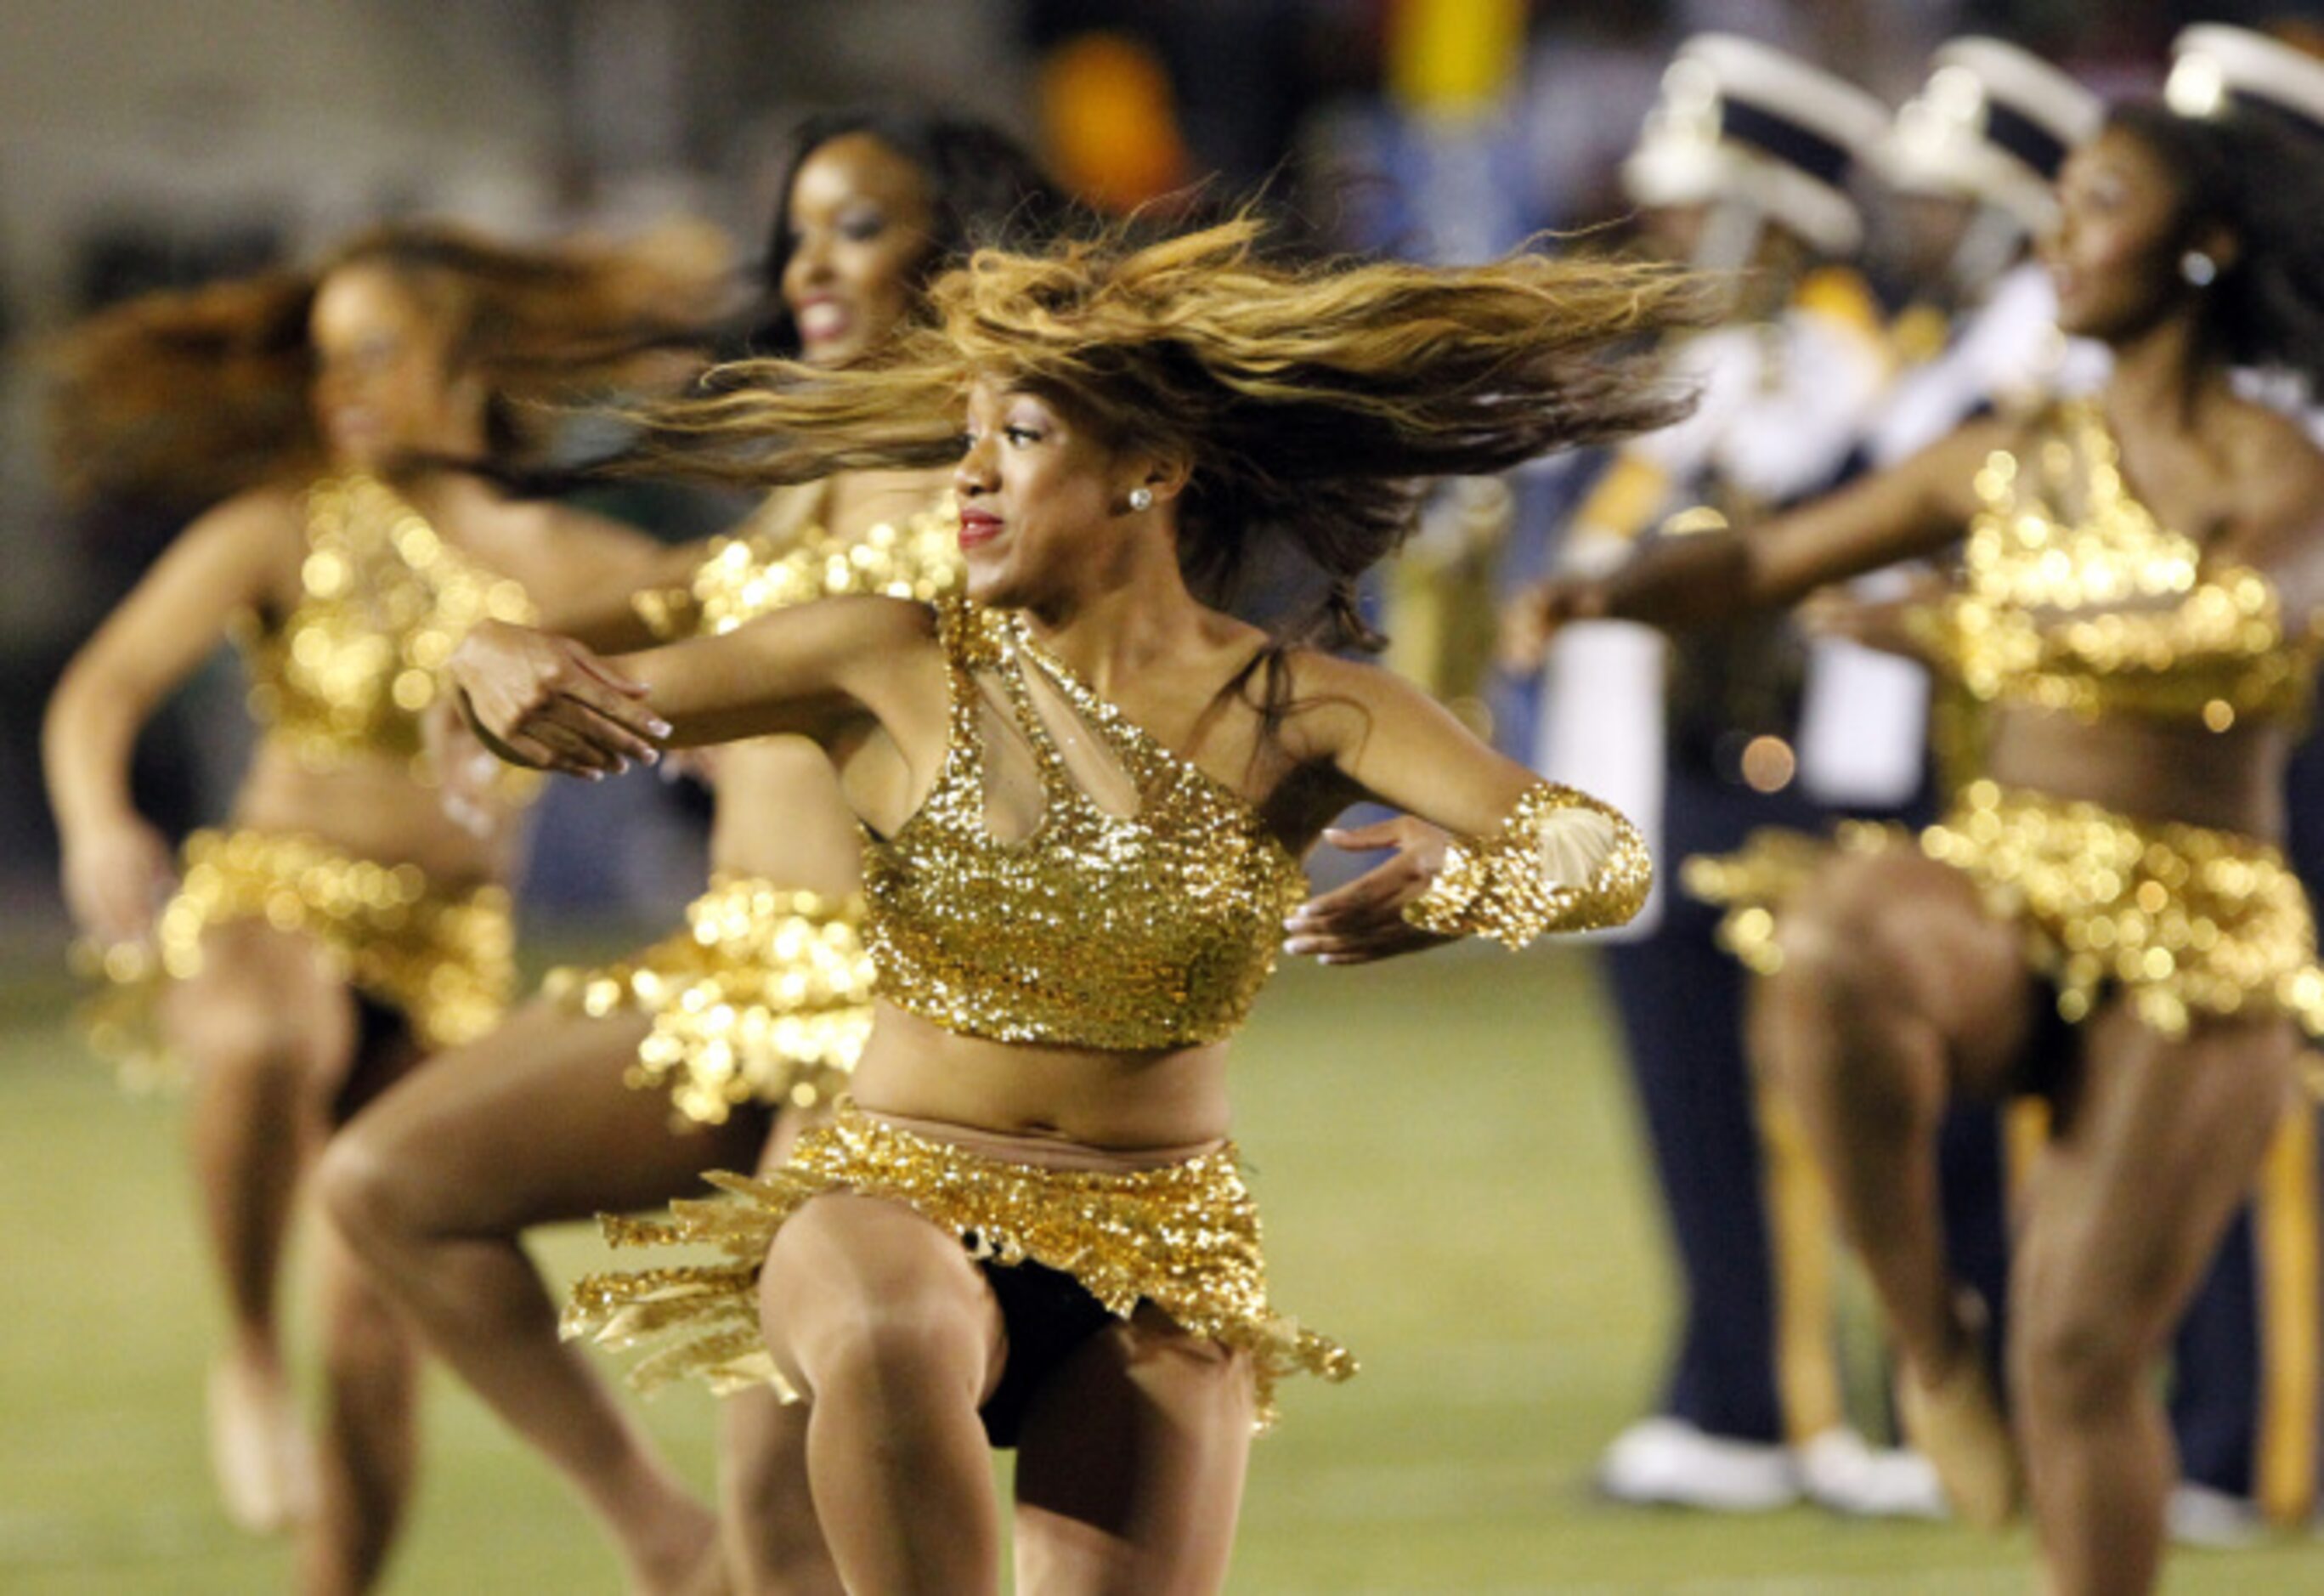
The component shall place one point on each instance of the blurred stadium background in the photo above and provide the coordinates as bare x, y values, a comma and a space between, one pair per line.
1446, 1147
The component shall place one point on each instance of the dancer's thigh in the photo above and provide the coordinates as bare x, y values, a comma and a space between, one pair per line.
534, 1124
853, 1279
1871, 937
2155, 1146
263, 998
1129, 1465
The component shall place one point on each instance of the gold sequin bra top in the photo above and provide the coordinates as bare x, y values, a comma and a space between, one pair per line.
383, 601
2078, 599
751, 575
1095, 927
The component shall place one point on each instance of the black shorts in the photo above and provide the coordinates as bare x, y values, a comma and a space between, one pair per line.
1048, 1315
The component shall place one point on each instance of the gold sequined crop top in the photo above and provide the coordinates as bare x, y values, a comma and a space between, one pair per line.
1151, 930
2076, 598
384, 600
752, 574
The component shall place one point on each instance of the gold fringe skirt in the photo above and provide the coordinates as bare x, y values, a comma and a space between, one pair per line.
447, 960
765, 997
2184, 921
1183, 1236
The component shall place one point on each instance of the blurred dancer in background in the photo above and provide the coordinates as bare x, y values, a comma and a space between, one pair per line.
616, 1089
1968, 153
2103, 914
345, 925
1086, 804
1744, 167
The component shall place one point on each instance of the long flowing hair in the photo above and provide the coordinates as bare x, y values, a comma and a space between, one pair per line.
184, 397
2262, 177
1310, 397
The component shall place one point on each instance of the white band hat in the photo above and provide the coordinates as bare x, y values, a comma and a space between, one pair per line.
1993, 124
2216, 69
1741, 120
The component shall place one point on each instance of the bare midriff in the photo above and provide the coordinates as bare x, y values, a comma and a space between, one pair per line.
1139, 1107
370, 807
2151, 769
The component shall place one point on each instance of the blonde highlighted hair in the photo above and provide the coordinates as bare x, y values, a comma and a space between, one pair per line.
1309, 399
184, 397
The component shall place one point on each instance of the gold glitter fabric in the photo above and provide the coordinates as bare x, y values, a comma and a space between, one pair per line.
747, 576
2076, 599
384, 601
1183, 1236
1155, 929
1500, 886
765, 997
446, 960
2185, 920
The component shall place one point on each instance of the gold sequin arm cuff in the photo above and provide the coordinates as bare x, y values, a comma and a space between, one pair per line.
1184, 1237
446, 960
765, 997
1501, 886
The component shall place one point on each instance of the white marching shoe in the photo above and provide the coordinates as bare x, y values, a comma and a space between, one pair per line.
1664, 1461
2199, 1515
1841, 1471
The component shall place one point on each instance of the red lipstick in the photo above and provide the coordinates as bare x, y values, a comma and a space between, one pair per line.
978, 526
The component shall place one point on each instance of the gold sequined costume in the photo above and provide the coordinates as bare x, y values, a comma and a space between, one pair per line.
2078, 600
1147, 923
1148, 930
344, 676
445, 960
766, 995
384, 602
1183, 1236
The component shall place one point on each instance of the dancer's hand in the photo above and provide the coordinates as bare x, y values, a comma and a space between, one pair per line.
117, 878
1530, 621
545, 701
1363, 920
1882, 624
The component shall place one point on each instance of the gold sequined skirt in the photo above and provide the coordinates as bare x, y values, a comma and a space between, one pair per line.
446, 960
765, 997
1183, 1236
2185, 921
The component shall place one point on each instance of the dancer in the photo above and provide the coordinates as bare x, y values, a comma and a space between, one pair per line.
344, 926
762, 1001
1084, 791
2143, 578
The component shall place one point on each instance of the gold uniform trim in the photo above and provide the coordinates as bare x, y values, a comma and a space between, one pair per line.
1184, 1237
446, 960
764, 997
2184, 921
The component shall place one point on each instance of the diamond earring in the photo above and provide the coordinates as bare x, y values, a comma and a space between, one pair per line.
1141, 498
2198, 267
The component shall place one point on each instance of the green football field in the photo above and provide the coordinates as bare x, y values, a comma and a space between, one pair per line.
1453, 1187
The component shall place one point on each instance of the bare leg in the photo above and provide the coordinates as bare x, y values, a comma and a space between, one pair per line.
267, 1033
1894, 990
772, 1542
1129, 1468
881, 1319
368, 1452
2155, 1147
433, 1184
